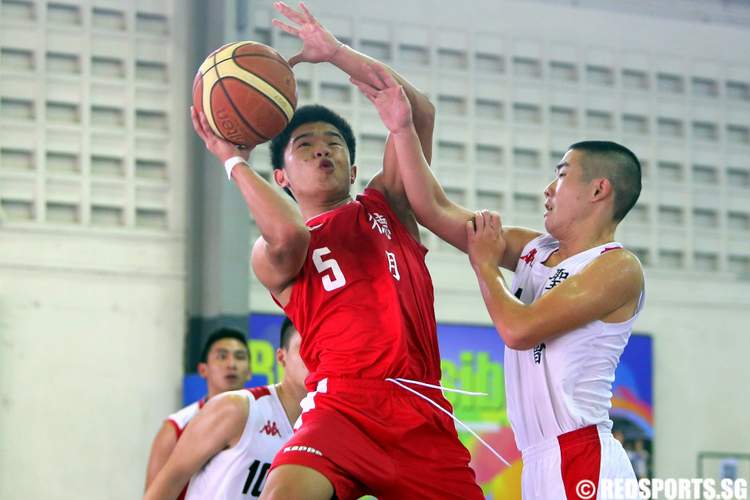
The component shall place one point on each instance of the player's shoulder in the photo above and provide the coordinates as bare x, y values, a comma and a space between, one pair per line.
373, 197
230, 403
259, 392
617, 263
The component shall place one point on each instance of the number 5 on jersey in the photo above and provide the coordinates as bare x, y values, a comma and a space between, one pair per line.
325, 265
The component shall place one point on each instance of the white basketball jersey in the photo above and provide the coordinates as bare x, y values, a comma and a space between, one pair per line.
240, 472
180, 419
565, 383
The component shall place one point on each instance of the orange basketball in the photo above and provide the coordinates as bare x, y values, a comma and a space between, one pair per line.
247, 91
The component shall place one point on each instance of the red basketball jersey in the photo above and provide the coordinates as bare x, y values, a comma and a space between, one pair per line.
363, 301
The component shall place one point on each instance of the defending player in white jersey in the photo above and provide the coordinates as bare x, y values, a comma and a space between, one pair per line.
570, 311
229, 446
225, 365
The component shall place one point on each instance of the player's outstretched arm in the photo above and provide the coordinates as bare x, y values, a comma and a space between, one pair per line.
320, 45
608, 289
281, 250
433, 208
216, 427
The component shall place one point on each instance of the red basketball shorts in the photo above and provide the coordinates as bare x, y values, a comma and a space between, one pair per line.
373, 437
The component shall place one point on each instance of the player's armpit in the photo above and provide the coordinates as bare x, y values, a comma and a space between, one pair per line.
608, 289
277, 266
516, 238
216, 427
162, 447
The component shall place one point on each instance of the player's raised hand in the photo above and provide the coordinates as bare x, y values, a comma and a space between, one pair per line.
388, 97
318, 44
221, 149
486, 244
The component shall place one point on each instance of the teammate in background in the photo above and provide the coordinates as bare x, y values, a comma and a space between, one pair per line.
350, 274
570, 310
229, 445
226, 367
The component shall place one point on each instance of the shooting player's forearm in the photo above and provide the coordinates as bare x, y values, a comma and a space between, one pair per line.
276, 218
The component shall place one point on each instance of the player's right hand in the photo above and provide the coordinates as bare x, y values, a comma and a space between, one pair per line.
318, 44
220, 148
486, 243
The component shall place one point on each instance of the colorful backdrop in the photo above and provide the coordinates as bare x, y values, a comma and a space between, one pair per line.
472, 359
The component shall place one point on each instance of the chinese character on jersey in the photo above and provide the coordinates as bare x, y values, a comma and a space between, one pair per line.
392, 265
380, 223
559, 276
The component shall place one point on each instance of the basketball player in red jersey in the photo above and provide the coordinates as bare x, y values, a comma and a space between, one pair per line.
576, 295
351, 275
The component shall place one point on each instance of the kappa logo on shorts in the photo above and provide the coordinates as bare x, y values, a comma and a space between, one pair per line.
307, 449
270, 429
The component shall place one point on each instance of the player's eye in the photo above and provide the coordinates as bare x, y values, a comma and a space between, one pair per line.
302, 144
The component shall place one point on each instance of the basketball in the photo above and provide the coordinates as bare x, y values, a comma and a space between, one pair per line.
247, 91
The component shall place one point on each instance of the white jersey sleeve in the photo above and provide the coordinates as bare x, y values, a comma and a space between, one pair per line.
180, 418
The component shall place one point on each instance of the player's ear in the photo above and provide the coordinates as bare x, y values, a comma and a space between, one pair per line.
598, 189
279, 175
202, 369
281, 357
353, 174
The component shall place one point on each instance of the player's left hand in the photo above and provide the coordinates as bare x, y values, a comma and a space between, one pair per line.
221, 149
318, 44
388, 97
486, 244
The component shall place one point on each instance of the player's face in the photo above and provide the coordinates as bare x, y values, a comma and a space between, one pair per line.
227, 367
295, 369
565, 197
316, 162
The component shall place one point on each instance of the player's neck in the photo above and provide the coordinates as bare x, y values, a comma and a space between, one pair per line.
290, 399
313, 208
578, 242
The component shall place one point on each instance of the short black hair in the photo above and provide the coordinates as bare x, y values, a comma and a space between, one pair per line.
617, 164
286, 333
309, 114
221, 334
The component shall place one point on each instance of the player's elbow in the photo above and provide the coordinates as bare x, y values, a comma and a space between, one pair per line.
430, 210
517, 338
290, 238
